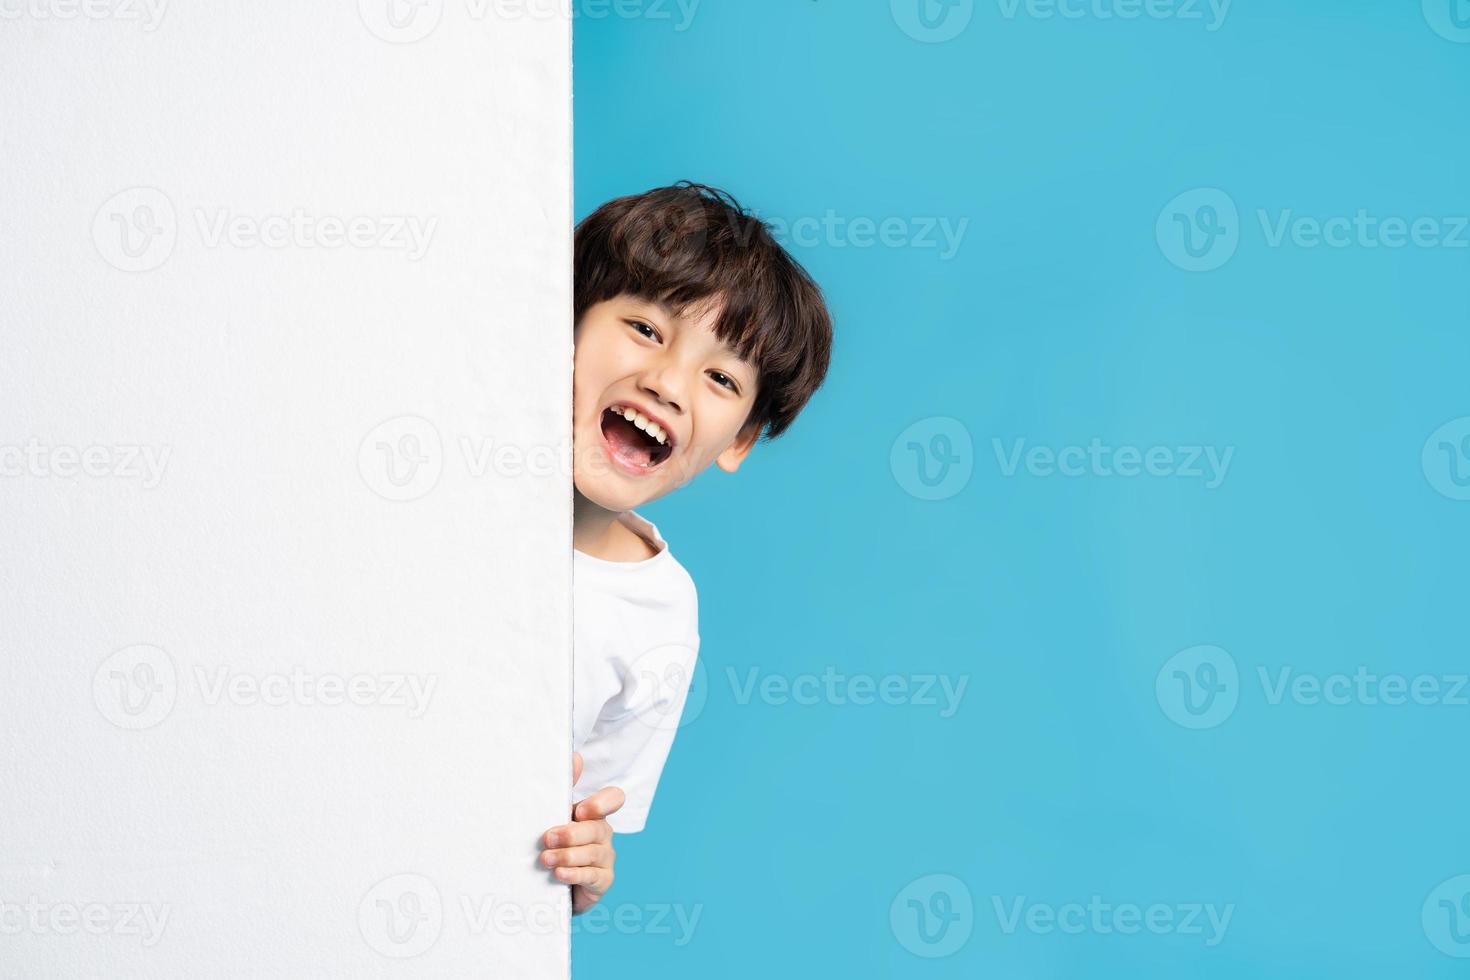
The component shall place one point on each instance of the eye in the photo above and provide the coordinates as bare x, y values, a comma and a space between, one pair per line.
640, 326
725, 380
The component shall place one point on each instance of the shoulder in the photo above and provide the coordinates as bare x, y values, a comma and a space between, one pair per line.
672, 590
681, 584
672, 574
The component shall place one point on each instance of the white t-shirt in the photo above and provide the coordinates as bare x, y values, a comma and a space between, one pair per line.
636, 638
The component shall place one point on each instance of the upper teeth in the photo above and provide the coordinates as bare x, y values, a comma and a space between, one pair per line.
643, 422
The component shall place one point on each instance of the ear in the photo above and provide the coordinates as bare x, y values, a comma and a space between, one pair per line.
735, 453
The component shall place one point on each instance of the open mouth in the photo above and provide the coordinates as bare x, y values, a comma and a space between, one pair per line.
636, 441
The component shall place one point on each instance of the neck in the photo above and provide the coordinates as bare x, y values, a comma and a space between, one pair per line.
597, 532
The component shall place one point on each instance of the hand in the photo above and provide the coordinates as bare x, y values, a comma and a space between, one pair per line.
581, 852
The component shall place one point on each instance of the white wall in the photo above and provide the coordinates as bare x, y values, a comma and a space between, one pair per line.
249, 495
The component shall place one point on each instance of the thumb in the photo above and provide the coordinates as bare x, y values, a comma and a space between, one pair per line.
576, 767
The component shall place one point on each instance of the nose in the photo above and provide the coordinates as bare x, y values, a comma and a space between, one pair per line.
661, 381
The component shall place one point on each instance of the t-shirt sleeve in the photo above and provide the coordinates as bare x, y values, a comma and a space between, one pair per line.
628, 749
630, 742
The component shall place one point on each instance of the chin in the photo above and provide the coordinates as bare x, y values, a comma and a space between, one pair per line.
597, 478
604, 492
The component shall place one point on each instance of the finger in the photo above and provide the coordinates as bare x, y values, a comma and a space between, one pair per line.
576, 767
594, 879
582, 832
600, 805
582, 856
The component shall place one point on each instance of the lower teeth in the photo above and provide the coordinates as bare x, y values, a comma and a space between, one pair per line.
654, 452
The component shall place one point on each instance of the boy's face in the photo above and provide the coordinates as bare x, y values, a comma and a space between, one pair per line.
694, 392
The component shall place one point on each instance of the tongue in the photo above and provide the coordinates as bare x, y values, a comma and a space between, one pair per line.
628, 441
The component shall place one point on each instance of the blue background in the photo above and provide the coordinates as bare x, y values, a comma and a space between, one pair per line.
792, 829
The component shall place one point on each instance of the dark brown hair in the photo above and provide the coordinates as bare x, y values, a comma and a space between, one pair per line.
689, 246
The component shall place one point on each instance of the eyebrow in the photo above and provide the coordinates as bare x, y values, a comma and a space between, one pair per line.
671, 315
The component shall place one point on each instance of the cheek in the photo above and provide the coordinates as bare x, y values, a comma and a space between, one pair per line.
717, 423
589, 372
599, 359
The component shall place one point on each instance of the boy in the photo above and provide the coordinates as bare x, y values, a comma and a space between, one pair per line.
694, 331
